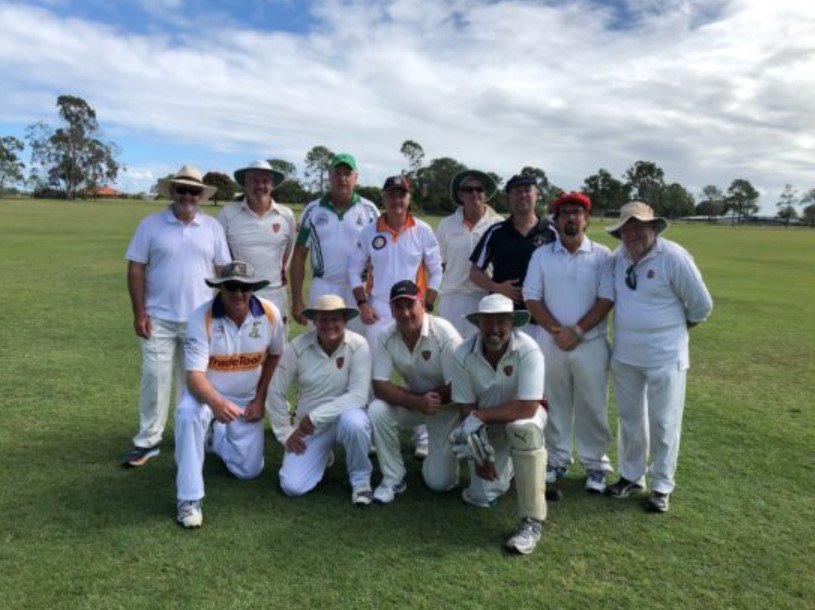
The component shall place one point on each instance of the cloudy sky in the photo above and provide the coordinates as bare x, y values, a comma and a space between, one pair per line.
711, 90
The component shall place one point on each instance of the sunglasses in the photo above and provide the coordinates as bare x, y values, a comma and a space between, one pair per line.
236, 287
472, 189
631, 277
187, 190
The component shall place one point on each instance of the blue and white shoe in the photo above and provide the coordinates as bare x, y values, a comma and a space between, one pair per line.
596, 481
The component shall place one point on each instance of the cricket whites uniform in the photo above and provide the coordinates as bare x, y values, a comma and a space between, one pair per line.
519, 445
179, 257
426, 367
412, 253
265, 242
650, 357
232, 357
568, 285
457, 239
332, 391
331, 237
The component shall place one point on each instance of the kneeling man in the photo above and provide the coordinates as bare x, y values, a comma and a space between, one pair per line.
420, 347
498, 382
331, 366
232, 347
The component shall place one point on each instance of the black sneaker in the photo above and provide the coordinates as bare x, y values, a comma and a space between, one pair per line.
138, 456
623, 488
658, 502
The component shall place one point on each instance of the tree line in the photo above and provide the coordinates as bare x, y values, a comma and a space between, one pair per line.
74, 158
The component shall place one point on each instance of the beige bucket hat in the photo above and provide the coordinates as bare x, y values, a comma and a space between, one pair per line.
188, 175
640, 211
330, 302
497, 304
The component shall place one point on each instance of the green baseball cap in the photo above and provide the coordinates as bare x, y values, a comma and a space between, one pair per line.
344, 159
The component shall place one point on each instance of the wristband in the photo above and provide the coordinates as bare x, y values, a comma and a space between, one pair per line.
361, 302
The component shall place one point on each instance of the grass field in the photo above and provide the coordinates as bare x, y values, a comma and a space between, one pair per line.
80, 531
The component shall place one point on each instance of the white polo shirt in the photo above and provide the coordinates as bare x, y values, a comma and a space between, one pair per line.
412, 253
331, 235
430, 363
457, 240
518, 376
231, 355
326, 385
569, 284
265, 241
650, 323
179, 257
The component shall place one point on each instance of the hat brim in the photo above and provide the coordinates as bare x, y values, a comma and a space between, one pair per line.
661, 223
519, 317
253, 286
460, 177
311, 313
278, 178
165, 187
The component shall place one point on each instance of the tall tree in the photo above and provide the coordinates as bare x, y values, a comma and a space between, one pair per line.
224, 183
11, 168
547, 190
645, 180
605, 191
786, 203
676, 201
287, 168
742, 198
432, 184
74, 155
807, 201
414, 153
713, 201
318, 162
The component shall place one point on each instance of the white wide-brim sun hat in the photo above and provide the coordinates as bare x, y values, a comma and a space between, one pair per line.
493, 304
330, 302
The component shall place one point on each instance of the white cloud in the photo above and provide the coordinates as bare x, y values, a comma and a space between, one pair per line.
710, 91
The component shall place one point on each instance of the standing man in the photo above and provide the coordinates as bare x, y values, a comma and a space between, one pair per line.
660, 294
169, 258
331, 369
458, 235
232, 348
397, 247
509, 245
261, 231
498, 378
329, 227
569, 290
420, 348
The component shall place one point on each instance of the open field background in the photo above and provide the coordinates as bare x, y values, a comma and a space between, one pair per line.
80, 531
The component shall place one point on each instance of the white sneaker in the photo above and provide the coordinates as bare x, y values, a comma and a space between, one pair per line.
596, 481
385, 494
526, 538
421, 449
361, 495
189, 513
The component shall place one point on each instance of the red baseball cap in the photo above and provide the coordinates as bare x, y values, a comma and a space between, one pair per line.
572, 197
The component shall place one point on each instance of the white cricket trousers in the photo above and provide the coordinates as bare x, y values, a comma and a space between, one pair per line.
238, 443
439, 468
454, 306
299, 474
162, 359
650, 402
319, 287
576, 388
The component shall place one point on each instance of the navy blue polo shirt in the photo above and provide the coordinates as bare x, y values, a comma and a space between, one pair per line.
509, 252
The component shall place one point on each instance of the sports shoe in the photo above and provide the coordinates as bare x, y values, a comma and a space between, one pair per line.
553, 473
595, 481
361, 495
623, 488
420, 450
188, 513
385, 494
138, 456
658, 502
526, 538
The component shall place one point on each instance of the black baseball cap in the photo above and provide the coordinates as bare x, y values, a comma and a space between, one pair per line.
405, 290
397, 182
520, 180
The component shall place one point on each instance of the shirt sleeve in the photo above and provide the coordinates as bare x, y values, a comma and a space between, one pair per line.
462, 391
689, 286
358, 260
139, 249
359, 386
222, 255
605, 284
449, 345
277, 339
196, 343
432, 259
304, 235
383, 362
277, 405
533, 282
481, 254
530, 375
441, 238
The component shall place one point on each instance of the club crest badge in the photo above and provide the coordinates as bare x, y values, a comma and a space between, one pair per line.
254, 332
508, 370
379, 242
538, 240
276, 227
339, 362
650, 274
426, 354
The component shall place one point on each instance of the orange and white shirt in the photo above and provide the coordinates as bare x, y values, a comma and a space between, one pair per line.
411, 253
231, 355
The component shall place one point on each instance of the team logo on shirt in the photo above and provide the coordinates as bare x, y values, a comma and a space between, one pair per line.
508, 370
379, 242
651, 274
340, 361
254, 332
538, 240
359, 220
276, 227
426, 354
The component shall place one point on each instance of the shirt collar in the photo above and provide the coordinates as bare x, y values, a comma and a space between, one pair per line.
382, 225
325, 201
272, 210
255, 307
585, 246
171, 218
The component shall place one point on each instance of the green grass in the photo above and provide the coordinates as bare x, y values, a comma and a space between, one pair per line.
79, 531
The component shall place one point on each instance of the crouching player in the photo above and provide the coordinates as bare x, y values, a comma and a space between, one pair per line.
420, 347
232, 347
331, 369
498, 383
